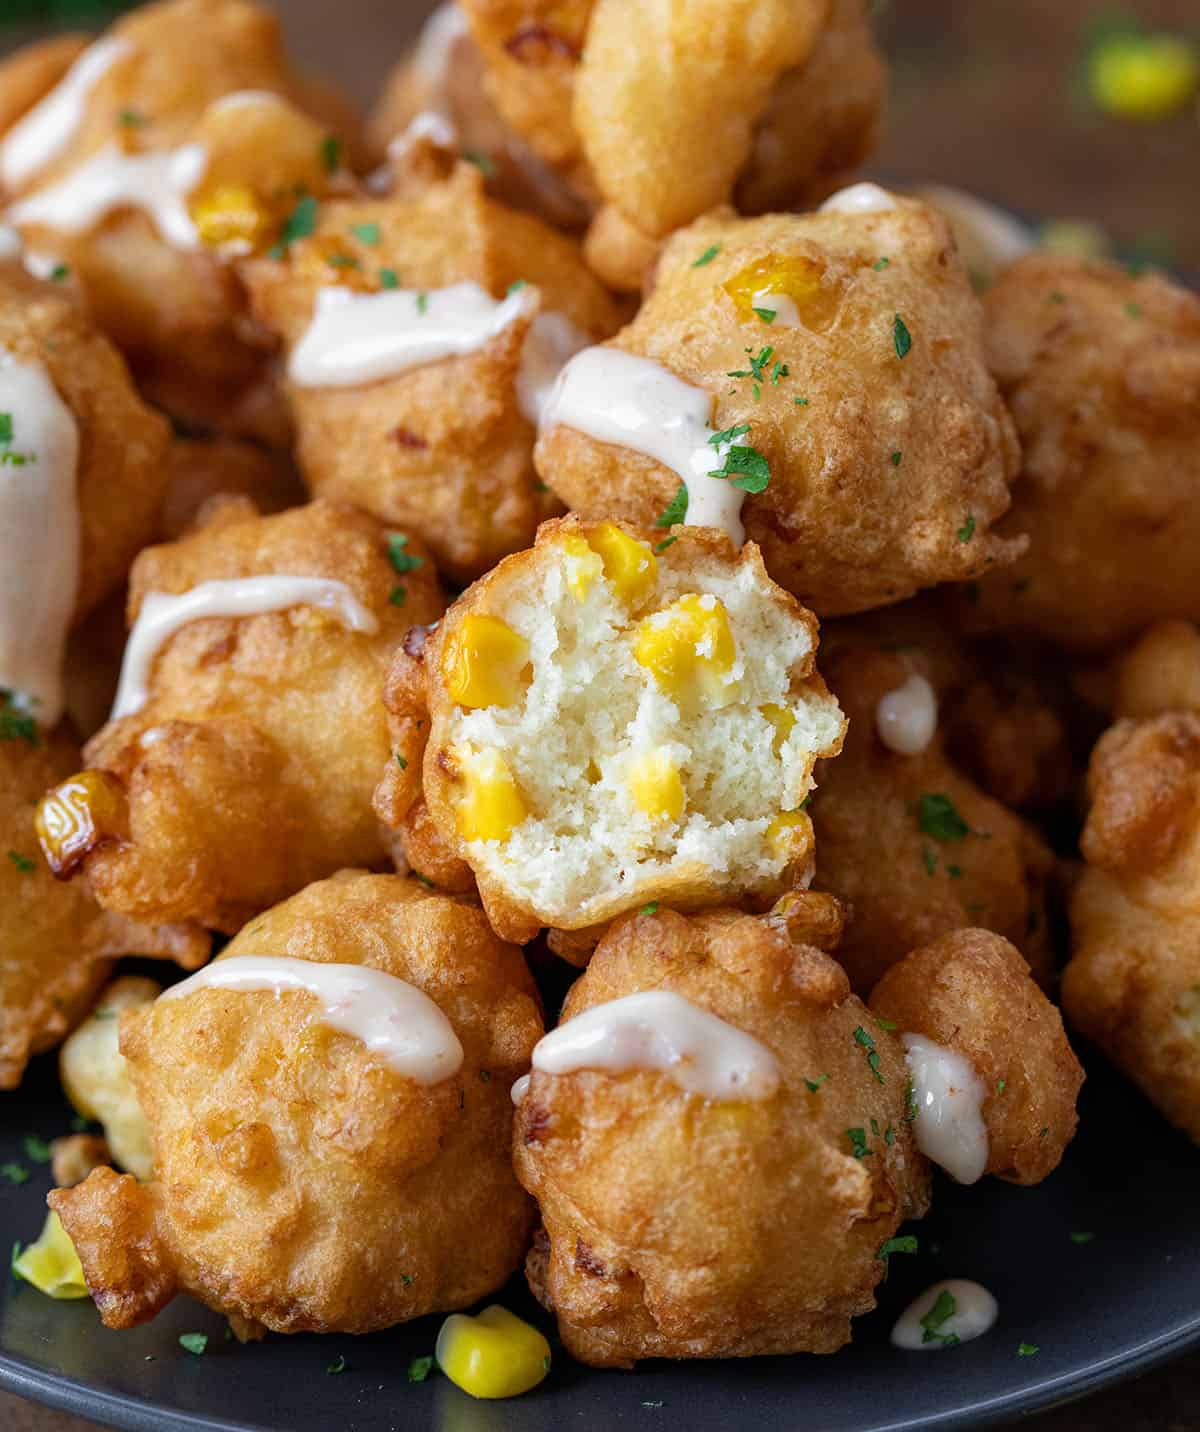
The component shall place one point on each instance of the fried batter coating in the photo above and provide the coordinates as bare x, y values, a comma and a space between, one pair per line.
442, 448
676, 1226
1133, 983
910, 845
143, 195
96, 1079
1161, 672
608, 728
203, 470
971, 991
249, 769
1102, 373
890, 451
121, 469
630, 127
304, 1184
56, 946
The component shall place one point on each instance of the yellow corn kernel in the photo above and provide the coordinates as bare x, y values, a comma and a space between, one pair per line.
495, 1354
583, 566
783, 721
1143, 76
491, 806
628, 564
483, 661
654, 784
231, 217
790, 836
78, 815
689, 648
52, 1264
793, 276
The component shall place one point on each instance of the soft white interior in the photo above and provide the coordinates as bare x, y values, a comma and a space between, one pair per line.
591, 708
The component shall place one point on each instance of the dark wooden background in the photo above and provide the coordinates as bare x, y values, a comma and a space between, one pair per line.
986, 94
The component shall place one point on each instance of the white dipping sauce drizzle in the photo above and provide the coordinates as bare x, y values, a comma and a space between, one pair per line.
391, 1017
617, 397
552, 340
156, 182
11, 245
161, 616
975, 1312
949, 1096
42, 134
520, 1088
430, 126
864, 198
39, 537
660, 1030
906, 718
431, 58
358, 338
998, 233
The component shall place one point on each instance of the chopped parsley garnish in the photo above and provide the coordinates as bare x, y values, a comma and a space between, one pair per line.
880, 264
862, 1038
888, 1024
1000, 1084
779, 370
22, 862
800, 402
59, 272
131, 119
401, 762
366, 233
1027, 1349
388, 278
675, 510
14, 1172
398, 596
897, 458
483, 162
546, 1363
420, 1368
906, 1243
766, 314
401, 560
517, 285
342, 261
936, 1318
651, 909
729, 435
331, 153
300, 224
858, 1143
929, 857
967, 530
195, 1343
758, 361
707, 256
745, 467
954, 872
6, 428
485, 1076
1134, 310
1057, 297
422, 304
1082, 1237
889, 1136
540, 486
422, 880
37, 1150
938, 816
406, 1279
901, 337
814, 1084
910, 1102
338, 1365
666, 542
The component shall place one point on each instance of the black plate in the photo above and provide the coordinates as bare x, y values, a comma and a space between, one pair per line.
1098, 1311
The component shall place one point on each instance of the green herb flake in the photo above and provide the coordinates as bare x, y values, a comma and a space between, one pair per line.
729, 435
888, 1024
897, 458
1134, 310
422, 304
22, 862
651, 909
707, 256
366, 233
398, 596
910, 1102
675, 510
954, 872
59, 272
812, 1085
858, 1143
401, 560
1081, 1238
901, 337
195, 1343
768, 315
388, 278
936, 1318
929, 859
406, 1279
331, 153
516, 286
300, 224
483, 162
861, 1037
338, 1364
905, 1243
1001, 1085
37, 1150
967, 530
779, 370
938, 817
342, 261
6, 428
420, 1368
889, 1136
546, 1363
880, 264
800, 402
485, 1076
1027, 1349
1057, 297
745, 467
666, 542
12, 1262
14, 1172
131, 119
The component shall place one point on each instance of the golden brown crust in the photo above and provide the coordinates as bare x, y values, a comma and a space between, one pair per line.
679, 1227
889, 475
971, 991
270, 732
302, 1184
1160, 672
1102, 374
200, 471
973, 863
1132, 982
